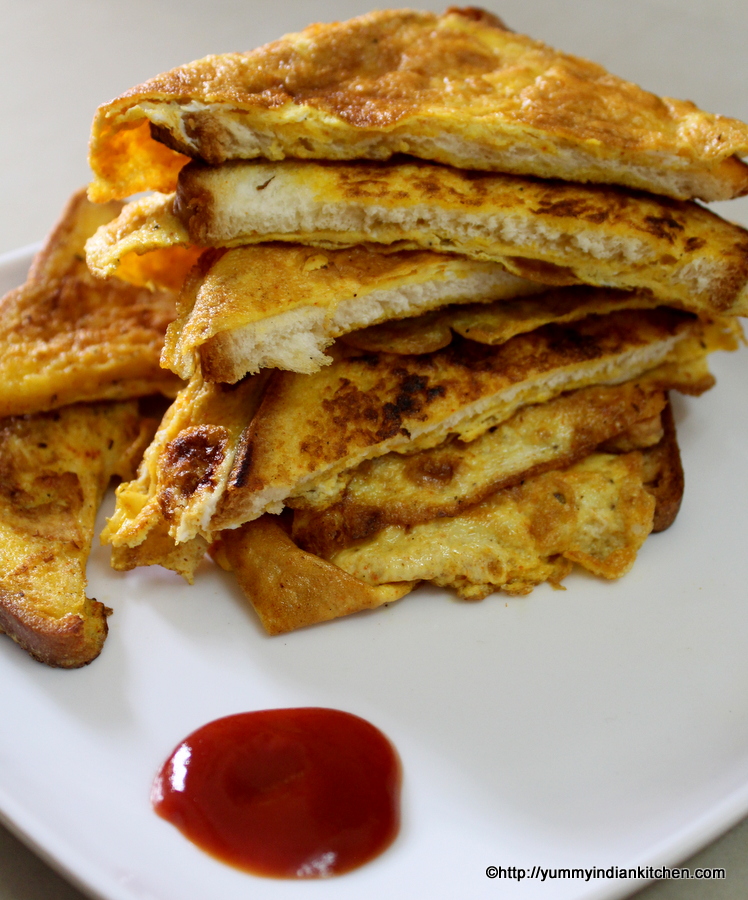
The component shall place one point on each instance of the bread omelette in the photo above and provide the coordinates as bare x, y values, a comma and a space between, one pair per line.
67, 336
225, 454
460, 88
55, 467
556, 233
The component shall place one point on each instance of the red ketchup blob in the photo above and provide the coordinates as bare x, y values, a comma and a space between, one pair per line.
284, 793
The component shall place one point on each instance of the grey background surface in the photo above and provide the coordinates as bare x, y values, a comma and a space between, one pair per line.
58, 61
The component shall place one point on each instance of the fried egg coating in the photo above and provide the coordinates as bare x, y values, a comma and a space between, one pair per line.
555, 233
459, 88
226, 454
67, 336
54, 469
596, 513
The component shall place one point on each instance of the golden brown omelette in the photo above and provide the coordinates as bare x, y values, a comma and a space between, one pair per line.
280, 305
459, 88
595, 513
54, 469
552, 232
227, 453
67, 336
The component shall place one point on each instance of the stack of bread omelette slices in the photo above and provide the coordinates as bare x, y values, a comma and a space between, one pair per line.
438, 281
448, 277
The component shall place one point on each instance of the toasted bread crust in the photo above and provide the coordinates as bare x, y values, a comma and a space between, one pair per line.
664, 477
289, 588
72, 641
374, 86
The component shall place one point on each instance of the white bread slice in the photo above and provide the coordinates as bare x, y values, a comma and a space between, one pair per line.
280, 305
552, 232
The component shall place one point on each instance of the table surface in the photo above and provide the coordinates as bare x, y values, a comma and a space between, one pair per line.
59, 61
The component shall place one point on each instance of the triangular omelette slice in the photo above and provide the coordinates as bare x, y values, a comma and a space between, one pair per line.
54, 469
459, 88
67, 336
551, 232
280, 305
226, 454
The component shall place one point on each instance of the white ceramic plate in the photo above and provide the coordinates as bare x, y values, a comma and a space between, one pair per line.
606, 725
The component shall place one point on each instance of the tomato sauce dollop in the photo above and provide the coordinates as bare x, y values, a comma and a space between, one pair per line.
284, 793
